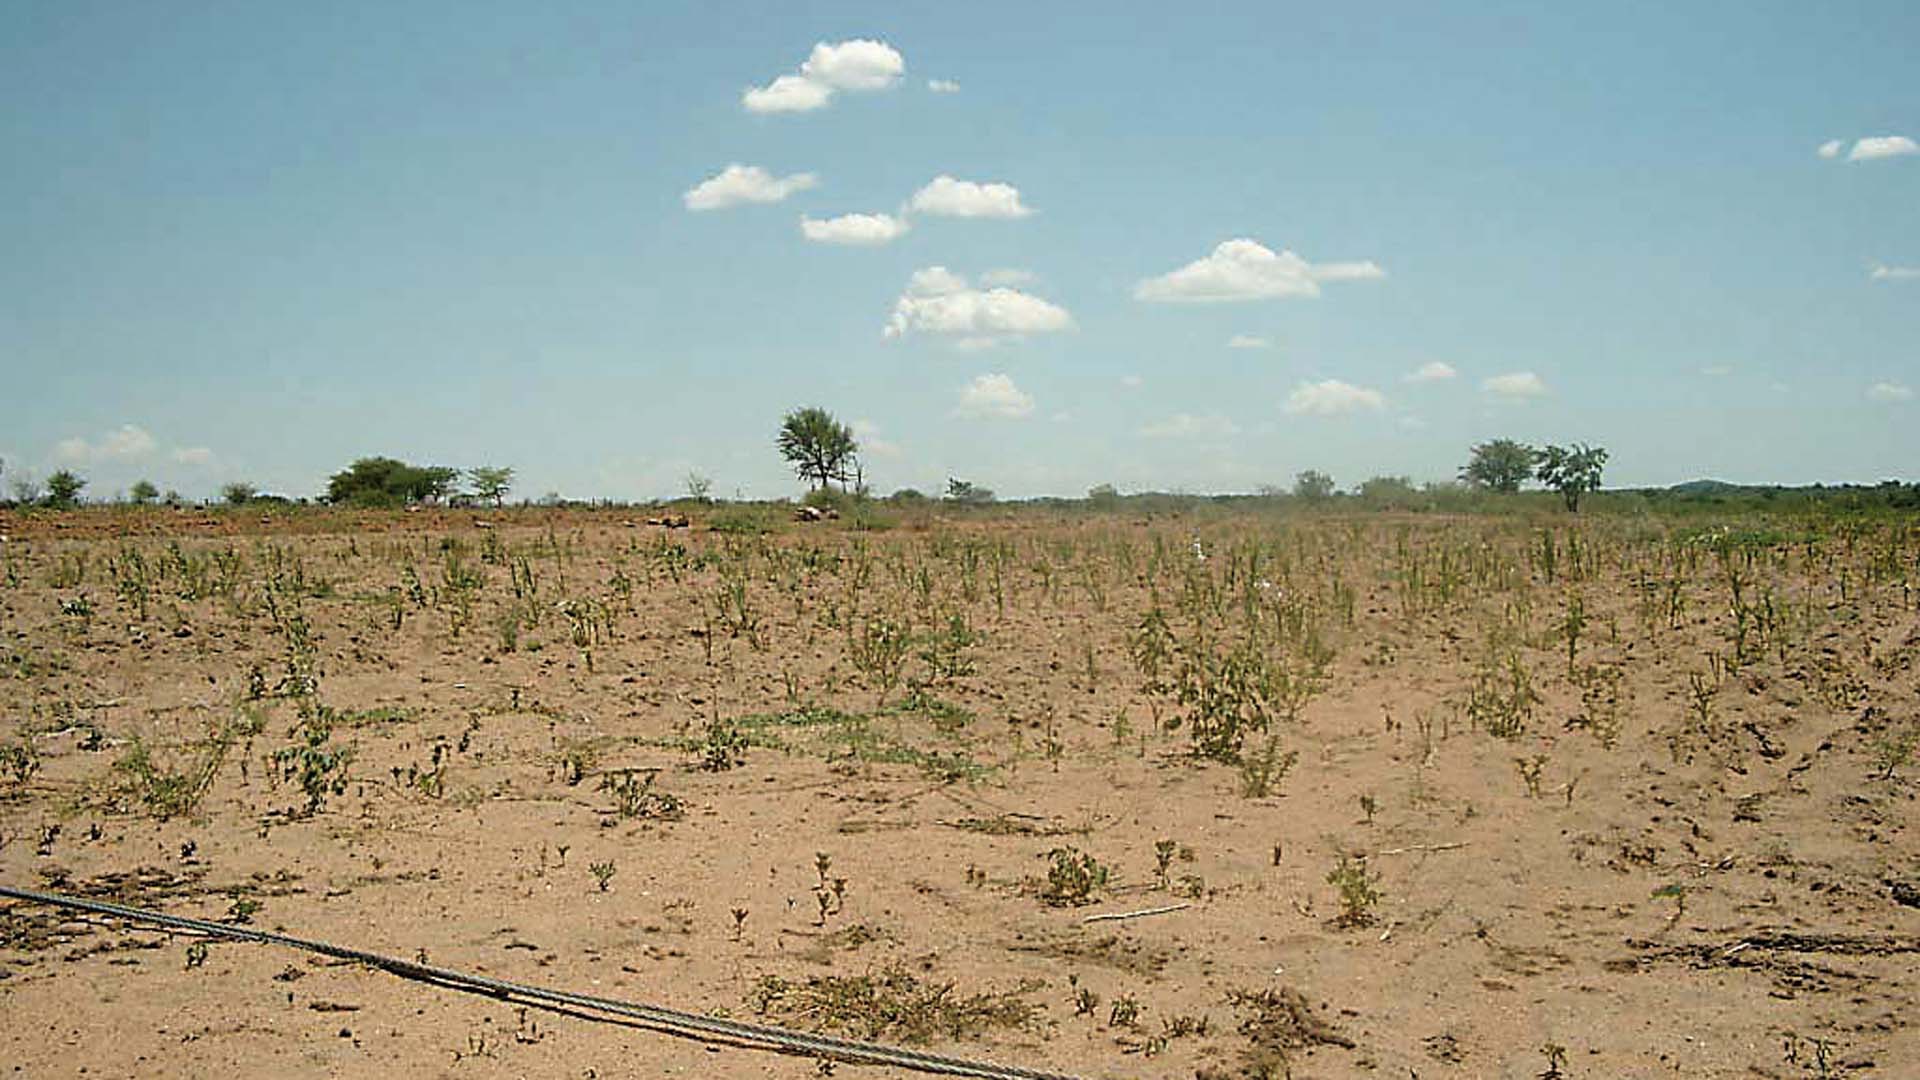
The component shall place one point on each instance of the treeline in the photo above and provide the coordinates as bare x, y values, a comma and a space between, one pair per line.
385, 481
1492, 480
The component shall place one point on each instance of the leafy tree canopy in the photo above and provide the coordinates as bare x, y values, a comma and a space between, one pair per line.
967, 493
820, 448
385, 481
64, 487
1501, 465
490, 482
1313, 484
1571, 470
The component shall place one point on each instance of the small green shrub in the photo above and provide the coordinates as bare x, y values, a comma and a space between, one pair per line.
1073, 876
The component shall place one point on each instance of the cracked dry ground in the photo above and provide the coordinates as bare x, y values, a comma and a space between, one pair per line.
1476, 797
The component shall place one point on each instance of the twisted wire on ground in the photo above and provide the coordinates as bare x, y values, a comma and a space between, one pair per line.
670, 1021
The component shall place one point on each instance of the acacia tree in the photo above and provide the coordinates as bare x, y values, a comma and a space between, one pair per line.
63, 488
143, 493
491, 482
699, 486
967, 493
1313, 485
819, 448
1501, 465
384, 481
1572, 471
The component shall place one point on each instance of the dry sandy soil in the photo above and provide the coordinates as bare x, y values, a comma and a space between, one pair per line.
1462, 797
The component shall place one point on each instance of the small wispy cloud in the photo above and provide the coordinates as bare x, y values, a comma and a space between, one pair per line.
1431, 371
1831, 148
1332, 397
1191, 426
129, 442
945, 196
1241, 270
943, 86
1893, 273
1132, 382
1890, 391
738, 185
1876, 147
863, 230
871, 442
1717, 371
1516, 386
1249, 341
994, 397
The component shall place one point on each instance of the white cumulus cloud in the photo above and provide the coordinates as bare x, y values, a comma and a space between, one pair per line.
1893, 273
861, 229
129, 442
939, 301
1190, 426
738, 184
993, 397
1875, 147
943, 86
1515, 386
1332, 397
1248, 341
1831, 148
1432, 371
1243, 269
857, 65
1890, 391
945, 196
788, 93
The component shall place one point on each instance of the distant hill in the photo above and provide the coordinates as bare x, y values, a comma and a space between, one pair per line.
1887, 493
1708, 487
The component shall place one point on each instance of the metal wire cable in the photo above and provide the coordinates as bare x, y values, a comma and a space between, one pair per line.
669, 1021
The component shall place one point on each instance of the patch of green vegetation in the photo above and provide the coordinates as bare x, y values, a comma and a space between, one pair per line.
893, 1005
354, 719
173, 785
1017, 825
1073, 876
634, 796
946, 717
1359, 891
1262, 773
842, 736
18, 764
313, 762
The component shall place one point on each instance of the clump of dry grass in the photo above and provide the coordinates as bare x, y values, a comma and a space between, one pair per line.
892, 1004
1276, 1023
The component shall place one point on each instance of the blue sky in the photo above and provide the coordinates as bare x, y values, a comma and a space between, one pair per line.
253, 240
